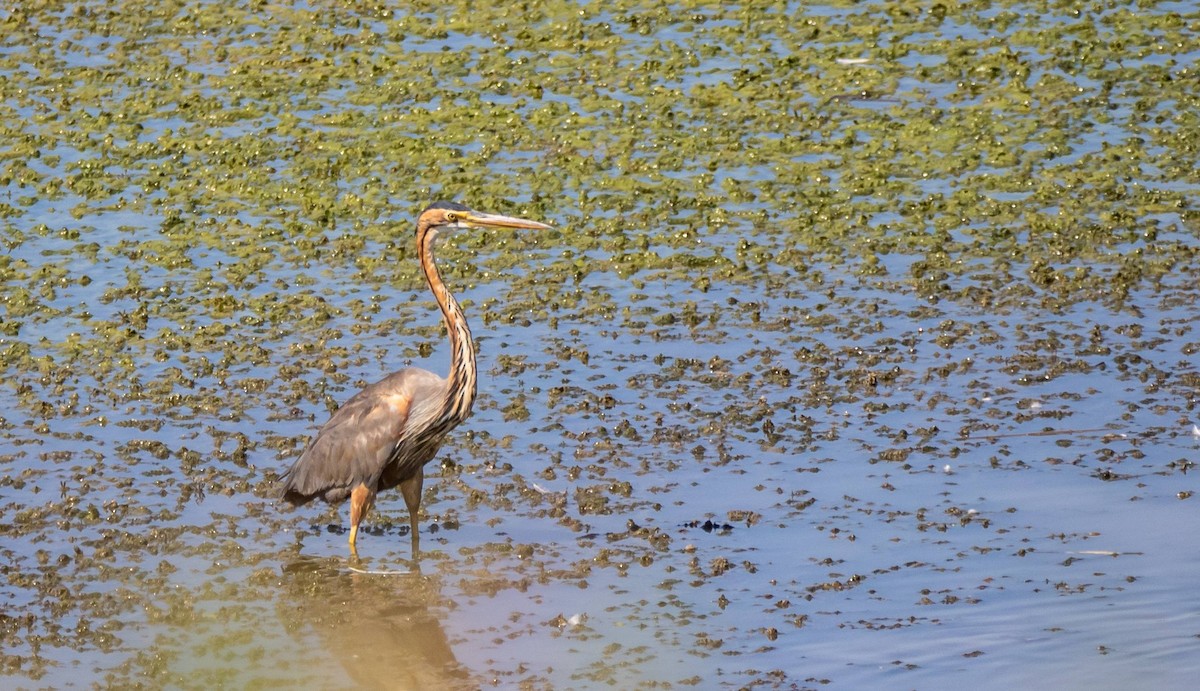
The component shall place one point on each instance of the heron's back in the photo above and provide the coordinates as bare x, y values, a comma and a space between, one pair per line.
380, 437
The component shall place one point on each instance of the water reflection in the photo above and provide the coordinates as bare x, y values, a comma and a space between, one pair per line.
378, 625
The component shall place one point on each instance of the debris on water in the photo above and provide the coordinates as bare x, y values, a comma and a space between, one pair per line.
563, 622
708, 526
748, 517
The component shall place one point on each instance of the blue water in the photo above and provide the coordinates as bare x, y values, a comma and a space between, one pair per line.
923, 487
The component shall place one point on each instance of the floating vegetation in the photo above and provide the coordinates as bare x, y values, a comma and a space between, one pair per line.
897, 304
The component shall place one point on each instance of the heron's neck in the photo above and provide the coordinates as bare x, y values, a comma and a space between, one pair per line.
460, 384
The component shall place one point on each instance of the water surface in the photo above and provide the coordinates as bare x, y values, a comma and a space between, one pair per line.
863, 352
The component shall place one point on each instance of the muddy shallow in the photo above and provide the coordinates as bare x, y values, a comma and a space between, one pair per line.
863, 353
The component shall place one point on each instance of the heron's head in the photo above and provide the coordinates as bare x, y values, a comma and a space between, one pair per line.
442, 216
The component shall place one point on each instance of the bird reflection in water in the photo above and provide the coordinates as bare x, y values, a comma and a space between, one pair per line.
379, 626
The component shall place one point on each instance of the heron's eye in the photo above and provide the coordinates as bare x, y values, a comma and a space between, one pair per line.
451, 216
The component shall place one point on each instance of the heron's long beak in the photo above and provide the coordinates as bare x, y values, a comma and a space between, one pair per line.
479, 220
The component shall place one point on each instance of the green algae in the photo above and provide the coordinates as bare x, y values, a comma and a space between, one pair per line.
764, 213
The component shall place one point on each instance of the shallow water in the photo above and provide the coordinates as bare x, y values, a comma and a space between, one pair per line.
863, 352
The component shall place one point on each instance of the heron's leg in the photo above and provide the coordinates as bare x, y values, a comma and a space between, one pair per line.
361, 501
411, 489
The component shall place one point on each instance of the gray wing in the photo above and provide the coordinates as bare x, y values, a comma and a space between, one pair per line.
353, 447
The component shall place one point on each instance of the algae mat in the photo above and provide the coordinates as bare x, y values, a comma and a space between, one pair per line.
863, 352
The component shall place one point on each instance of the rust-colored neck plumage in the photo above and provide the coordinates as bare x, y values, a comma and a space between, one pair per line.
460, 389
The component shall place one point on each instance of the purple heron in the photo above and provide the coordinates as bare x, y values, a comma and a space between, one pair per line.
385, 434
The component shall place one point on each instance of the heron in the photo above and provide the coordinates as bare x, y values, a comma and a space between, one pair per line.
383, 436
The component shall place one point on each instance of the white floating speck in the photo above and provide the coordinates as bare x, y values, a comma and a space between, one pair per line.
1196, 430
540, 489
1034, 405
852, 61
947, 469
576, 619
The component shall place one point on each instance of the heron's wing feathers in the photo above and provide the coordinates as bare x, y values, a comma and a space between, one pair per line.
355, 444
